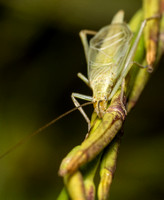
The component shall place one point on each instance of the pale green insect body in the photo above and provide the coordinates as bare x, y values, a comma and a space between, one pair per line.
110, 55
107, 55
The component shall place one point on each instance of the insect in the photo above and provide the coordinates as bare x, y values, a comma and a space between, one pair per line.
109, 56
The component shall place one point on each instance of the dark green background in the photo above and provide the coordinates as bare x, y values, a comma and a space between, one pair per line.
40, 55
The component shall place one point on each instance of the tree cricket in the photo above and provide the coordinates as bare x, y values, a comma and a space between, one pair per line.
109, 57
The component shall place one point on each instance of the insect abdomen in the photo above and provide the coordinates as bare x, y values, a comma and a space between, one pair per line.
107, 54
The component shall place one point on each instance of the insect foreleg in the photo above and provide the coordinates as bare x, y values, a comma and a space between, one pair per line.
83, 78
83, 35
77, 104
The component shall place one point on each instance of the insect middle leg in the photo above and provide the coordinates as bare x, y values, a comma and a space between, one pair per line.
83, 78
77, 104
83, 35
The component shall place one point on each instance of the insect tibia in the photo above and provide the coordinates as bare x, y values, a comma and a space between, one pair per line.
149, 67
140, 65
157, 16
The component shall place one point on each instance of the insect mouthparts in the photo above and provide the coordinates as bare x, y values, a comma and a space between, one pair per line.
100, 107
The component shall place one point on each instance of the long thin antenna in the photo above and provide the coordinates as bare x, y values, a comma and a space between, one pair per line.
28, 137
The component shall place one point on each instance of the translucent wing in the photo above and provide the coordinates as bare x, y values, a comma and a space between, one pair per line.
108, 51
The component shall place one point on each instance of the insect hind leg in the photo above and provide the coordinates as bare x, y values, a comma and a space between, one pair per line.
77, 104
129, 59
83, 78
83, 35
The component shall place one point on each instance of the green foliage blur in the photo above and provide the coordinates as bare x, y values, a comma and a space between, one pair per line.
40, 55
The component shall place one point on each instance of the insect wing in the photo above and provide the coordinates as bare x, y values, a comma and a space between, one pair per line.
108, 51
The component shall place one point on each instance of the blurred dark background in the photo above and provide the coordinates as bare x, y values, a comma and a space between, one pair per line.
40, 55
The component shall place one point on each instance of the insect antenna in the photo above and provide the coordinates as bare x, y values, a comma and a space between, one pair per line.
28, 137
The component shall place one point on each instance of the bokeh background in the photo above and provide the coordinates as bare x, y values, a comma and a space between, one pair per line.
40, 55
